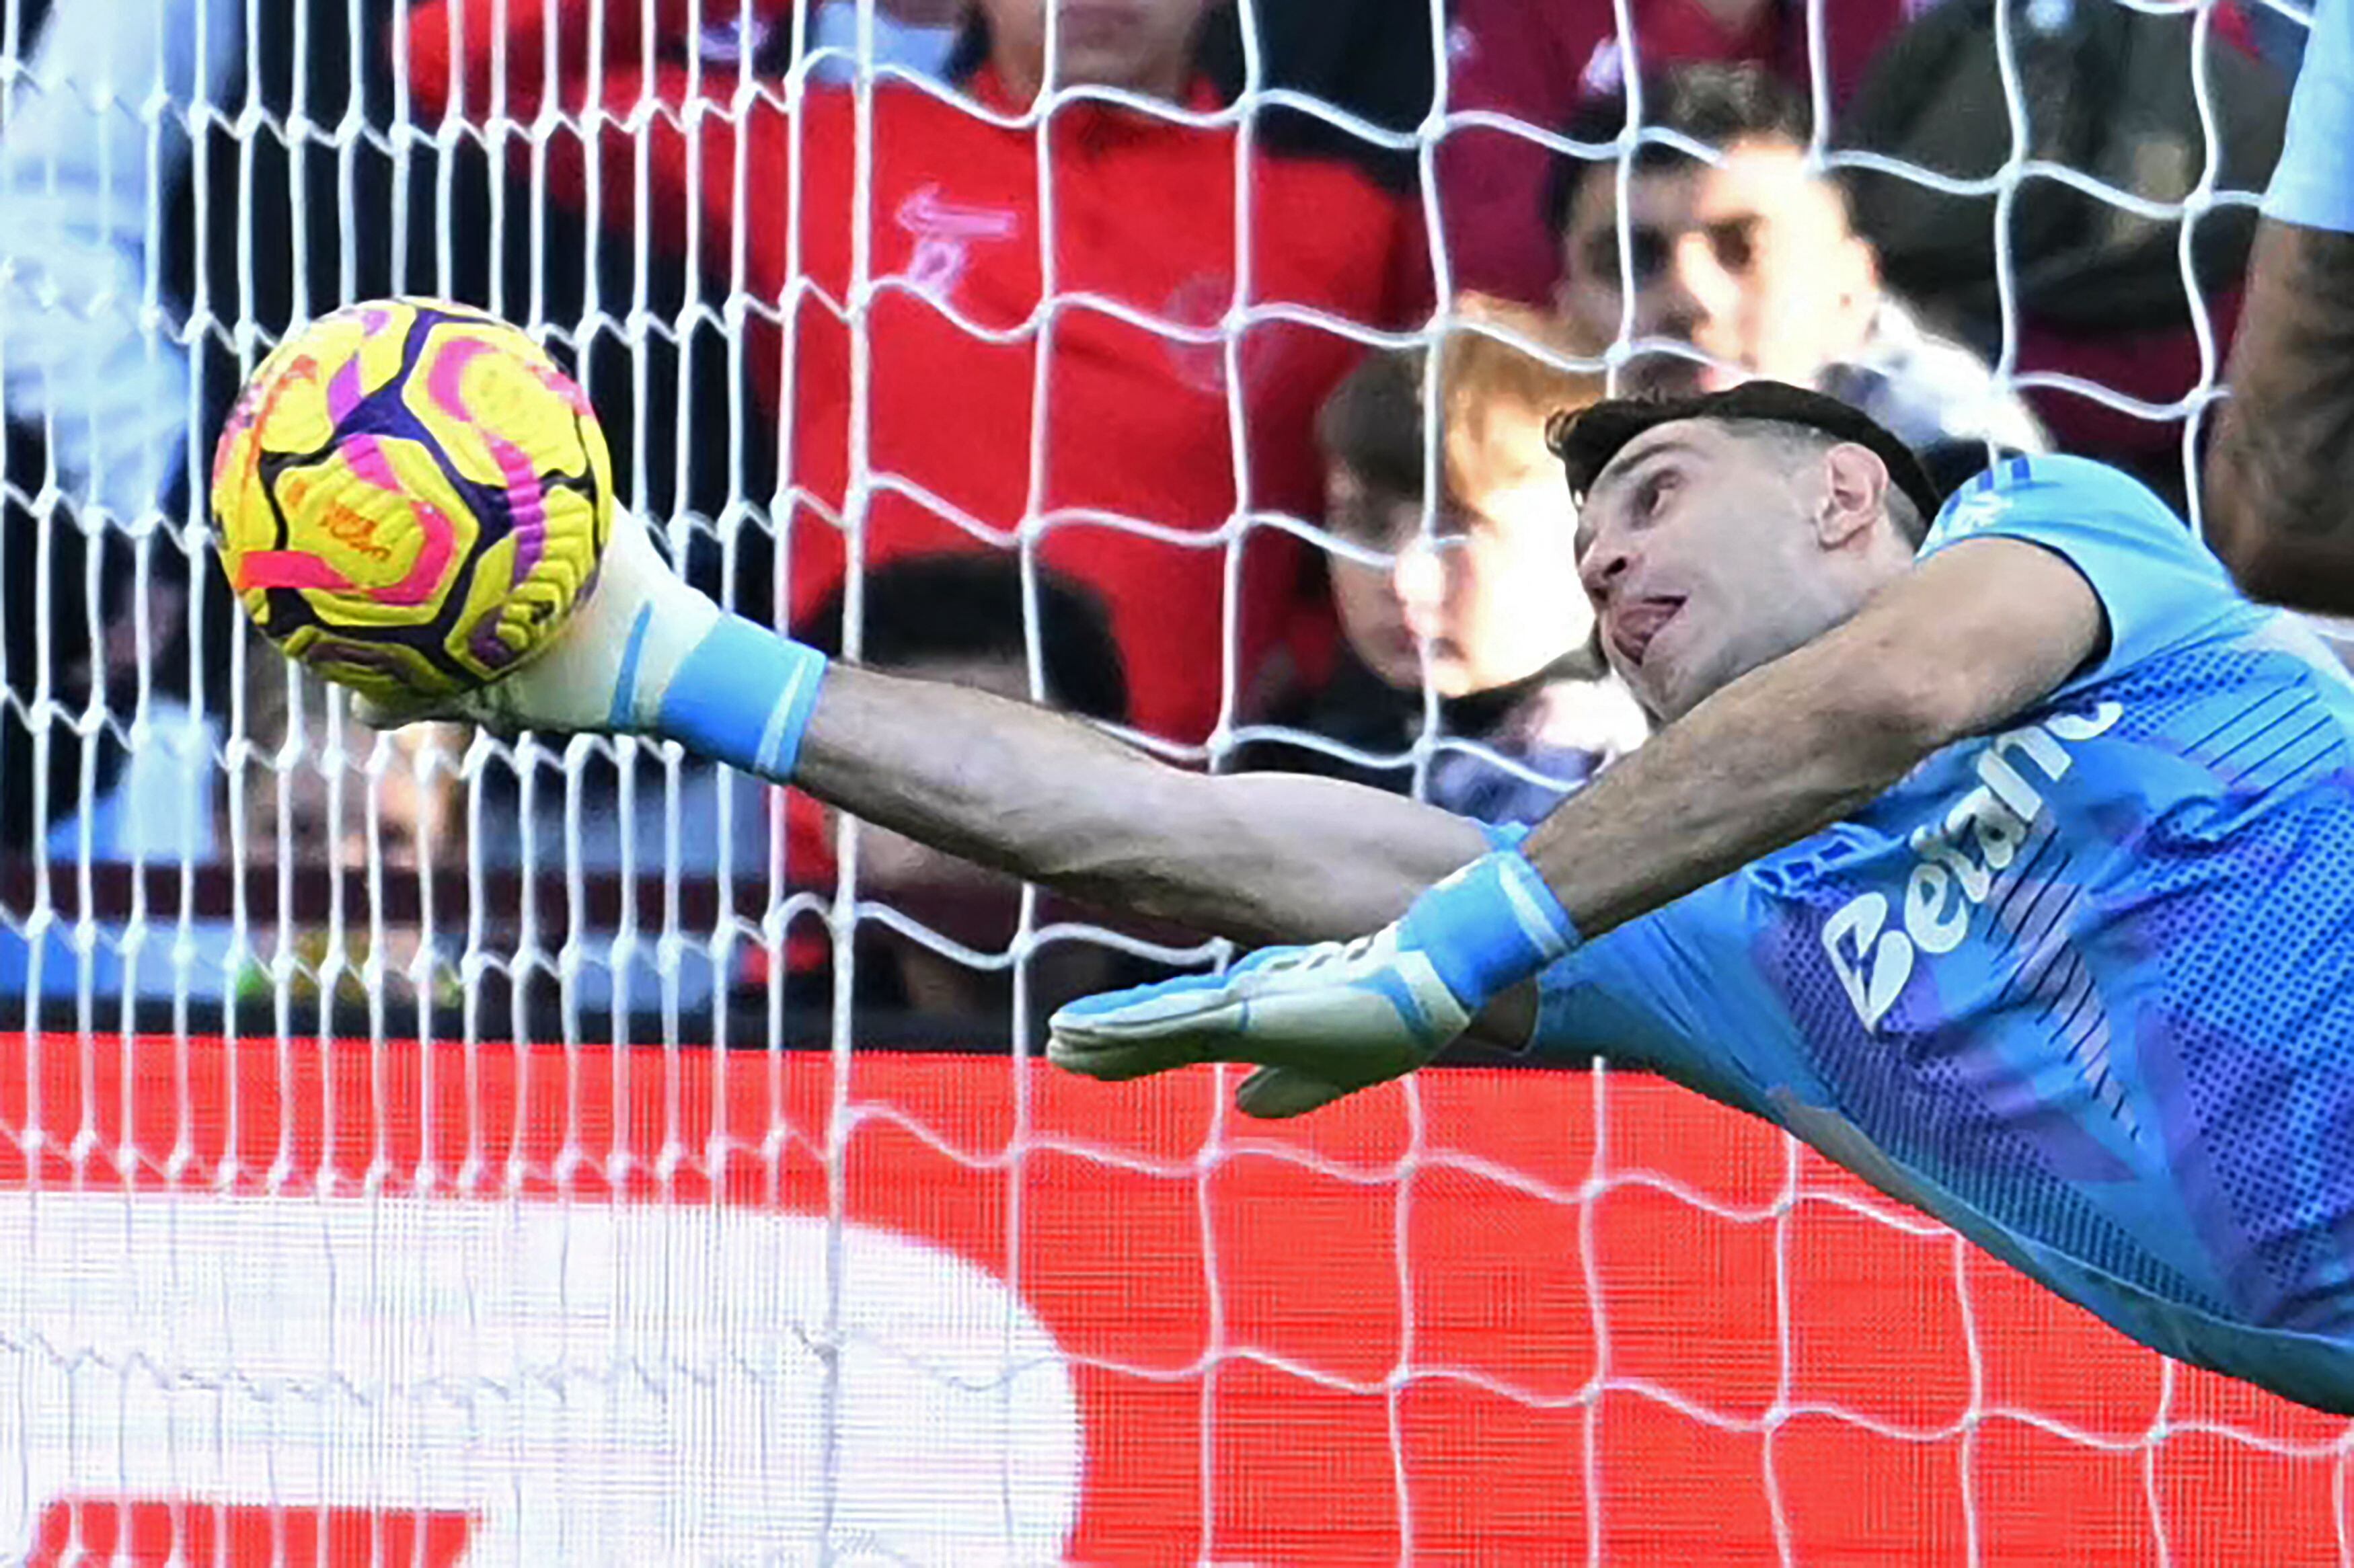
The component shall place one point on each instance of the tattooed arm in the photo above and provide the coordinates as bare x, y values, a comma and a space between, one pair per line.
2280, 480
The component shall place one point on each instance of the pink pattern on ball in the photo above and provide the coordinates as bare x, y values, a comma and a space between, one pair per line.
526, 505
445, 383
424, 578
288, 570
372, 464
526, 498
343, 392
564, 387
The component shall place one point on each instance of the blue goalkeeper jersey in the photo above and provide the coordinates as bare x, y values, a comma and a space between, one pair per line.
2083, 989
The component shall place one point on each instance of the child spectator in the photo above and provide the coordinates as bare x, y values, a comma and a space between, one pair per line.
1130, 422
1483, 608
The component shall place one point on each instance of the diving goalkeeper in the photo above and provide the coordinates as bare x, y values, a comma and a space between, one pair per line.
2009, 862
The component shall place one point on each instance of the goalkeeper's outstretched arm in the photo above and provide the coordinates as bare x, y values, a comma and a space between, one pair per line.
1259, 858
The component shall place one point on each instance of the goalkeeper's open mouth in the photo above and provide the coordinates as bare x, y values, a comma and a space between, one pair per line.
1634, 627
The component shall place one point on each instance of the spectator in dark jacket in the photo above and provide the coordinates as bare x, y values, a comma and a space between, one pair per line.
1753, 261
1479, 610
1544, 62
960, 618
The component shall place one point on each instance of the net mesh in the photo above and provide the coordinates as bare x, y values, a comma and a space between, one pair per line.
435, 1149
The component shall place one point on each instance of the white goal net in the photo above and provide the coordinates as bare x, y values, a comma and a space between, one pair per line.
429, 1150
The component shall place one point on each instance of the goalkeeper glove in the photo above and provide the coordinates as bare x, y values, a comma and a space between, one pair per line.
1325, 1021
645, 653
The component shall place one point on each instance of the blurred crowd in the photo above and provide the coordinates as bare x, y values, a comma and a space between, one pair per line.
1112, 407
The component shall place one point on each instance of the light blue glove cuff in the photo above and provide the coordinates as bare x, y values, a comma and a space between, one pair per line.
744, 697
1489, 927
2314, 182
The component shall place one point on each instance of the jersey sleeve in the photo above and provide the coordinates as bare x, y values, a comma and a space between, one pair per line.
1632, 996
2313, 183
2159, 586
1673, 992
1504, 835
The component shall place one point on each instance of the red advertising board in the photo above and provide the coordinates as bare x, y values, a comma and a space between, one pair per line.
327, 1304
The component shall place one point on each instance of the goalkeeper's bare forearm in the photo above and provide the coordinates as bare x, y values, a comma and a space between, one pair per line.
1268, 857
1257, 857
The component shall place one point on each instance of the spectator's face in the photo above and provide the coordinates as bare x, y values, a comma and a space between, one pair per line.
1145, 46
1491, 591
1751, 261
413, 816
1700, 550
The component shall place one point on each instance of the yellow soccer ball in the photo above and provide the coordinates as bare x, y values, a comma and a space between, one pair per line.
411, 497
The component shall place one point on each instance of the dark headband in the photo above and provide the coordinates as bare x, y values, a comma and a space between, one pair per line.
1585, 440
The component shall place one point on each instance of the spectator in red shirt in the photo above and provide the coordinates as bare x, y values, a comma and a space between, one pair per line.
1540, 61
1120, 454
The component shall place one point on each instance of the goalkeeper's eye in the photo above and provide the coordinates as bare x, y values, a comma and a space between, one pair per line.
1651, 497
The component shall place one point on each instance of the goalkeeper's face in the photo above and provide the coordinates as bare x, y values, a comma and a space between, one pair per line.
1710, 549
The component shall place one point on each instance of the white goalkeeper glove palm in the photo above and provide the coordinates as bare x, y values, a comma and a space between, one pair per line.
638, 624
1320, 1022
1326, 1020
